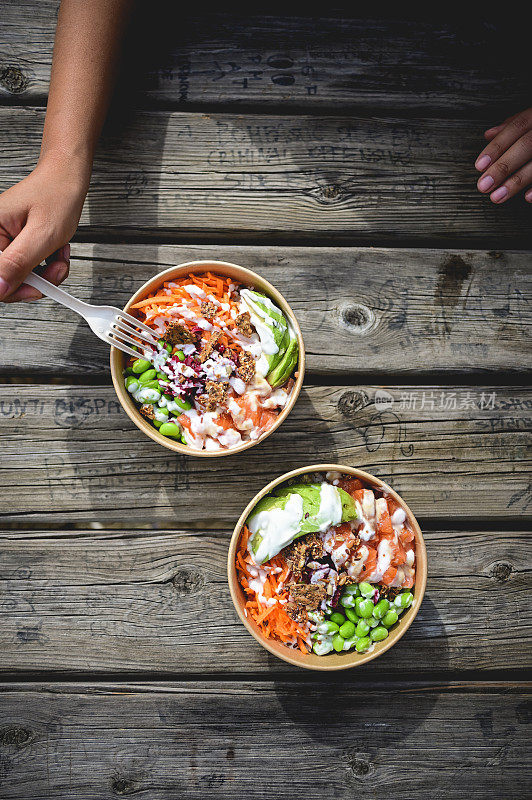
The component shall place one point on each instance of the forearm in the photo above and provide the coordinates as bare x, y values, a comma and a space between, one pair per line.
86, 52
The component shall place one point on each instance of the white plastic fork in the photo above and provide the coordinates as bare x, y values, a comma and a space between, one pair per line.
114, 326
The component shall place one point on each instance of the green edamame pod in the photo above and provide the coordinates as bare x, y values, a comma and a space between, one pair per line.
379, 634
390, 618
363, 644
140, 365
347, 630
352, 615
170, 429
381, 608
148, 375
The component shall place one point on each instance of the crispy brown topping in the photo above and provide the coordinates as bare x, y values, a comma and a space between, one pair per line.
243, 323
308, 595
176, 333
208, 309
215, 395
209, 346
148, 411
297, 613
296, 555
246, 366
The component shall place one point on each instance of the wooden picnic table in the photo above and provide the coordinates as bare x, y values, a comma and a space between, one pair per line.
335, 157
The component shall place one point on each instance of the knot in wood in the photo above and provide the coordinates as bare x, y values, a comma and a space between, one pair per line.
188, 581
123, 786
280, 62
360, 766
352, 402
501, 571
358, 318
15, 737
13, 79
284, 79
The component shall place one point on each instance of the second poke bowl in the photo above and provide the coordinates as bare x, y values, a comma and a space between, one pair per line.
327, 567
229, 362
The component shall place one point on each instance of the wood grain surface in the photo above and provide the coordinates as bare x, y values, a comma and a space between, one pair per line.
375, 180
71, 453
178, 59
159, 603
362, 311
251, 739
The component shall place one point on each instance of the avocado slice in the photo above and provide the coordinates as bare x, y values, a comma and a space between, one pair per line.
280, 374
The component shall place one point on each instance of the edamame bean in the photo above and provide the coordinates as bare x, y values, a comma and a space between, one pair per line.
323, 646
381, 608
362, 628
364, 607
337, 617
128, 372
351, 614
147, 395
180, 355
366, 589
350, 643
161, 342
390, 618
140, 365
363, 644
170, 429
184, 404
338, 643
404, 600
151, 385
379, 633
161, 414
148, 375
183, 440
348, 600
162, 377
156, 423
328, 627
372, 622
347, 630
352, 588
132, 384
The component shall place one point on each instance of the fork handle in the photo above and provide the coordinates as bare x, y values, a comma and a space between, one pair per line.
57, 294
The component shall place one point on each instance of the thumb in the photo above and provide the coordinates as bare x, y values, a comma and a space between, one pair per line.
25, 252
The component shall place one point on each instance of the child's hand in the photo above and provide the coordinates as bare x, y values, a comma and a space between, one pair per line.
38, 217
507, 161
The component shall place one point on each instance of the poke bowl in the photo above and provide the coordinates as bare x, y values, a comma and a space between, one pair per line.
229, 362
327, 567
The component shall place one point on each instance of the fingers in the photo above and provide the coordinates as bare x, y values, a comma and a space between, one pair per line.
57, 269
516, 183
515, 157
20, 256
508, 134
492, 132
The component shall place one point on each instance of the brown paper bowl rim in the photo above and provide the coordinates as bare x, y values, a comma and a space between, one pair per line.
245, 276
332, 661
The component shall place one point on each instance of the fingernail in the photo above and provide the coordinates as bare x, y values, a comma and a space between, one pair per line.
528, 197
4, 288
65, 252
490, 130
61, 273
485, 183
499, 194
482, 163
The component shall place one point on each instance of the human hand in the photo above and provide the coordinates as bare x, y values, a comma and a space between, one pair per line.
38, 217
506, 163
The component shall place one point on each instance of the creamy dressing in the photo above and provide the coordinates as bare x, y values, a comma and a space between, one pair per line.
277, 527
366, 514
330, 511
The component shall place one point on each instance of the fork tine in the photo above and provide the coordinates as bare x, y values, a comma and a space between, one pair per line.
119, 335
137, 323
126, 328
119, 346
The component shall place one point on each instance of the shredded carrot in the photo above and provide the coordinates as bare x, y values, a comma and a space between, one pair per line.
272, 620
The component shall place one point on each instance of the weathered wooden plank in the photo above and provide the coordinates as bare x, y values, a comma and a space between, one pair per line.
71, 453
283, 61
336, 178
94, 601
234, 740
361, 310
